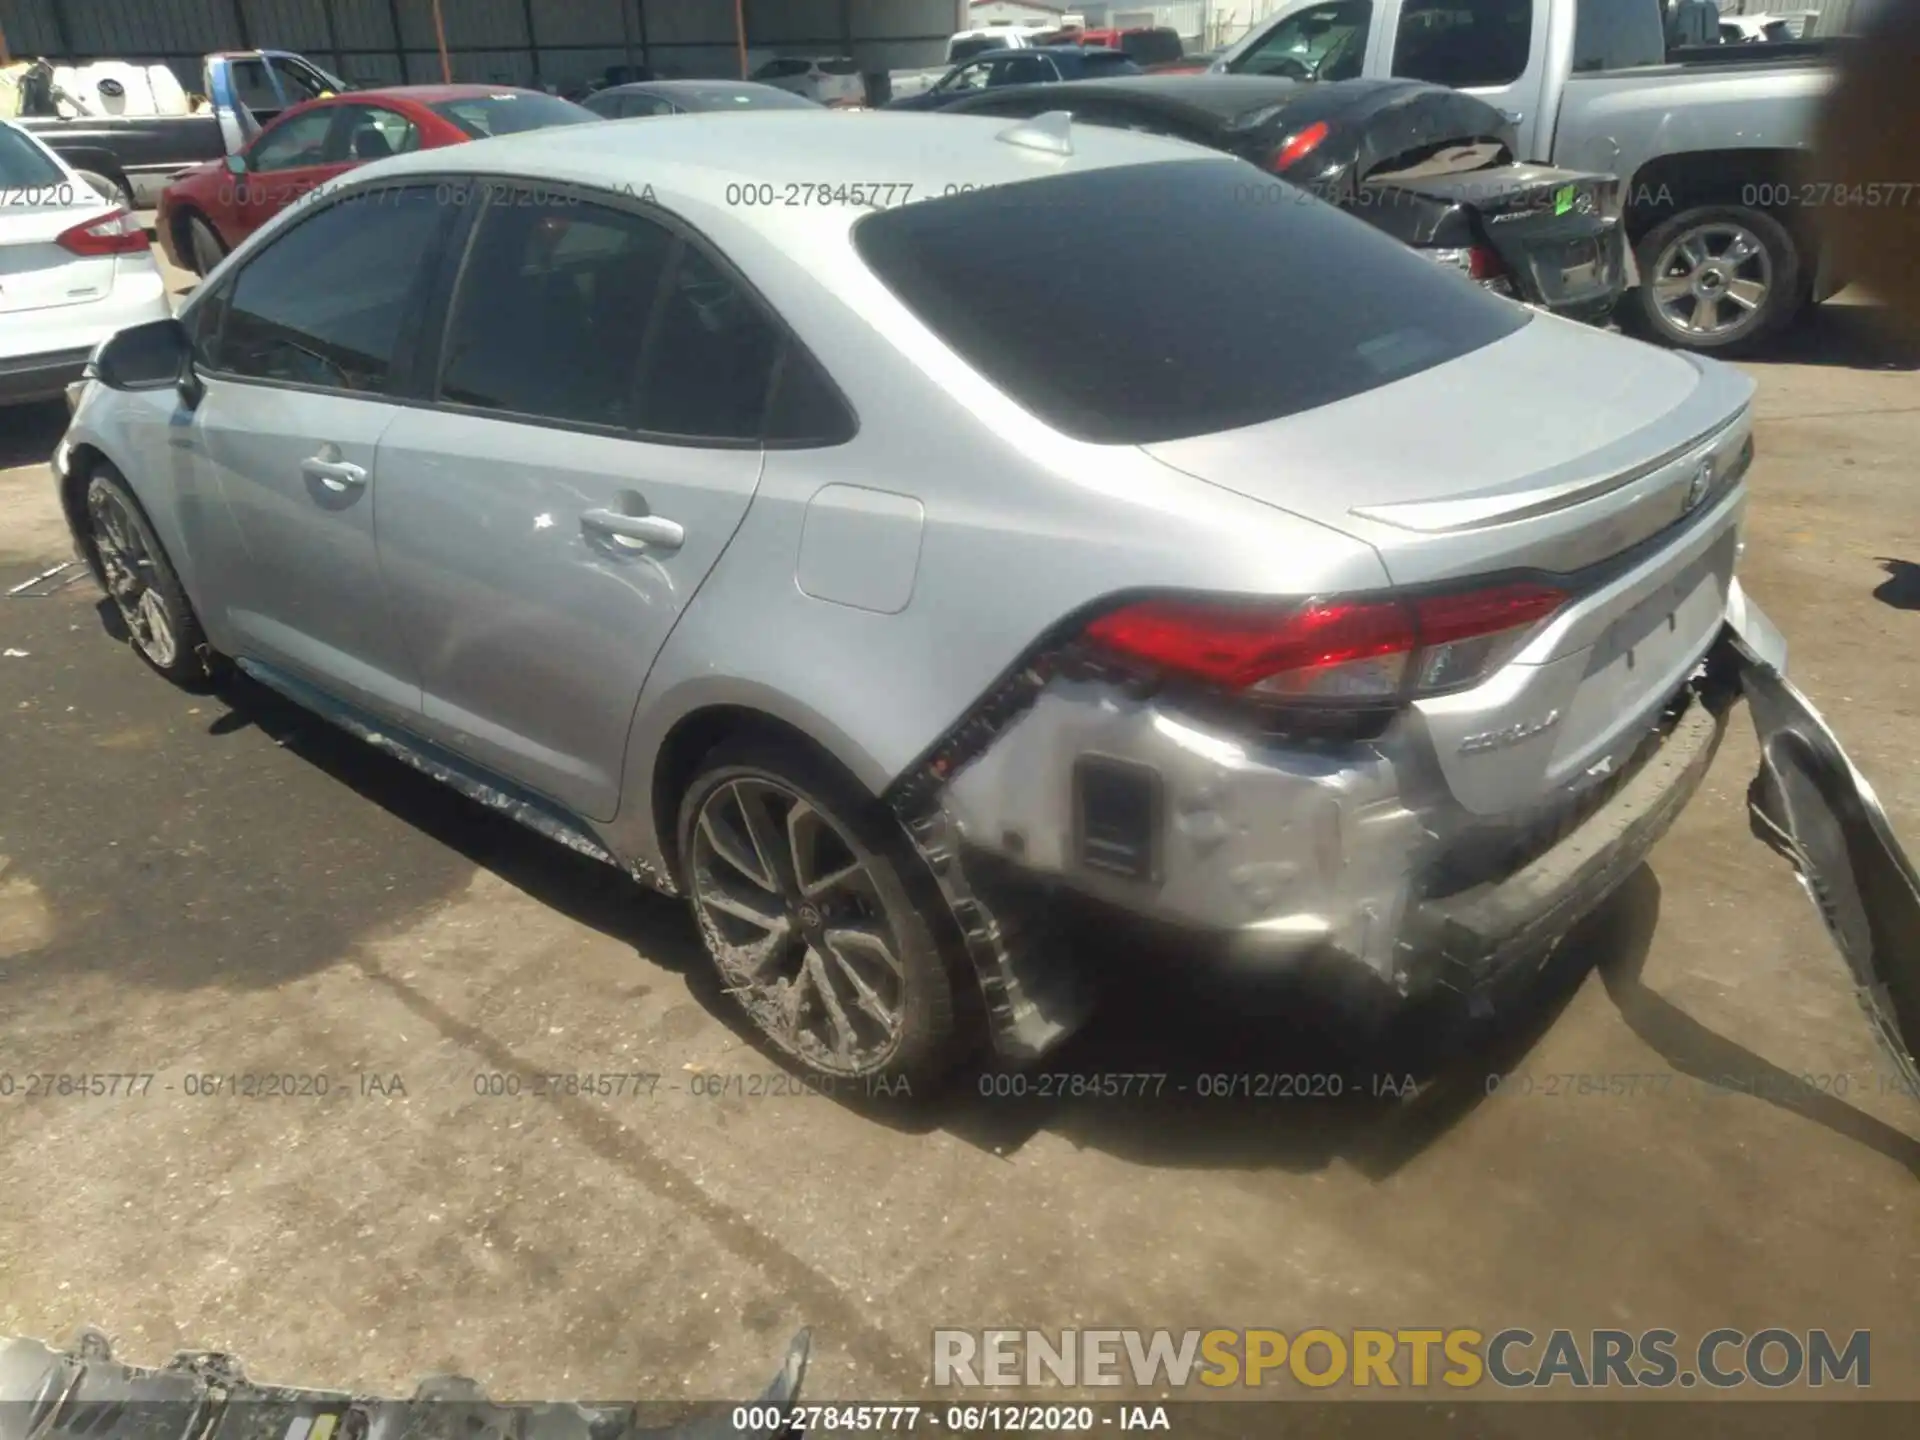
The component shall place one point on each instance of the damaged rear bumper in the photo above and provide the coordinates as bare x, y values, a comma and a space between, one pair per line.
1352, 855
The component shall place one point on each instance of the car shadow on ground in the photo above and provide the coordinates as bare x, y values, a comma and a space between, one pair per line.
1857, 337
1901, 588
28, 433
1227, 1073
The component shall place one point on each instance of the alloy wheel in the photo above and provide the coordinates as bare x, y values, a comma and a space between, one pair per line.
790, 909
130, 575
1713, 281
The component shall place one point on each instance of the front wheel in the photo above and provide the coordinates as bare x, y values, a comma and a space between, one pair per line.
803, 892
141, 581
1717, 278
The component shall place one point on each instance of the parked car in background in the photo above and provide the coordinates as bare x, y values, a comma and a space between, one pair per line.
1752, 29
1041, 65
961, 46
212, 208
130, 159
74, 268
691, 97
875, 610
1432, 167
1709, 142
832, 80
1146, 45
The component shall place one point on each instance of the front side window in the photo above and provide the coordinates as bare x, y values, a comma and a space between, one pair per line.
1463, 43
1300, 305
299, 82
972, 76
370, 132
1024, 70
1328, 42
329, 301
296, 141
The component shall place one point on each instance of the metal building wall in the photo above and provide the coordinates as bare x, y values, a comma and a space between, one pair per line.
526, 42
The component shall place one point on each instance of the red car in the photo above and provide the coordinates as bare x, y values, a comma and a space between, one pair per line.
213, 207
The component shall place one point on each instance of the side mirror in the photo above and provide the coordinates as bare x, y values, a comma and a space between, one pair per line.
236, 164
154, 356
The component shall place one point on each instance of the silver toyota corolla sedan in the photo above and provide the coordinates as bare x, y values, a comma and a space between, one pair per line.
700, 493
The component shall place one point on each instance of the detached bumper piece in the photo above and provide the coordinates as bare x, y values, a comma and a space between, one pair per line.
83, 1393
1809, 804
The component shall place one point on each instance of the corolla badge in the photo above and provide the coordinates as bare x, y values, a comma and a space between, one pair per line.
1701, 482
1510, 735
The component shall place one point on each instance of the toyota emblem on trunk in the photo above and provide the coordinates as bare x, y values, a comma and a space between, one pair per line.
1701, 482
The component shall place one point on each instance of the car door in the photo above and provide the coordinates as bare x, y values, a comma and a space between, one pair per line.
1493, 49
591, 446
292, 156
303, 350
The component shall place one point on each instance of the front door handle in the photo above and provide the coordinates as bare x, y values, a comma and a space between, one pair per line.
336, 475
655, 530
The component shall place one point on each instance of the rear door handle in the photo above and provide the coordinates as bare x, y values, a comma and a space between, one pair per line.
336, 475
655, 530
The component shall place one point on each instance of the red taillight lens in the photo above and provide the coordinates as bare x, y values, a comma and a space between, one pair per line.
1340, 650
1483, 263
115, 233
1298, 146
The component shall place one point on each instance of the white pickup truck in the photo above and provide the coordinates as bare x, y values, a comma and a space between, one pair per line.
1710, 142
965, 45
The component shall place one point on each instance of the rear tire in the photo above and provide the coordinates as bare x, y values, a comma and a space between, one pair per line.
1717, 279
141, 582
802, 886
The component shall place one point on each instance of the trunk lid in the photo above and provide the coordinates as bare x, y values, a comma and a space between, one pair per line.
1553, 450
36, 273
1557, 231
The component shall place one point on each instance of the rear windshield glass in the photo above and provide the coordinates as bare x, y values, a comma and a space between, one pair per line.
1289, 304
25, 170
1153, 47
509, 112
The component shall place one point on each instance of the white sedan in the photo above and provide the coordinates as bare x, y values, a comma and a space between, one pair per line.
74, 269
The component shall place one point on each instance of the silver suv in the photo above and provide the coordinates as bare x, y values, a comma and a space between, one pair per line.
748, 532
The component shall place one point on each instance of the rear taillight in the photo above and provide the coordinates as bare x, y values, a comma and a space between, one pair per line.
115, 233
1335, 651
1298, 146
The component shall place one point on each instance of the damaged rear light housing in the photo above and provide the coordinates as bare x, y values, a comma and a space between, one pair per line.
1362, 651
1476, 262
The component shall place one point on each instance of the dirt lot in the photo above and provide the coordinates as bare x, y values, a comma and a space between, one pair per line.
200, 885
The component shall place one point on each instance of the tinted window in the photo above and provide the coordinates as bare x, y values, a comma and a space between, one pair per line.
253, 89
1328, 41
25, 166
1153, 47
1095, 64
552, 308
328, 301
1463, 43
1618, 35
559, 300
299, 82
510, 112
297, 140
710, 357
806, 409
839, 66
1297, 305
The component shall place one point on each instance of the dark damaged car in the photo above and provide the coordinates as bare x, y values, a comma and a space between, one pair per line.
1432, 167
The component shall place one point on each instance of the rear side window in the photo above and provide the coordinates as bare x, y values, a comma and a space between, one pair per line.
585, 314
331, 301
1463, 43
1614, 35
1297, 305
